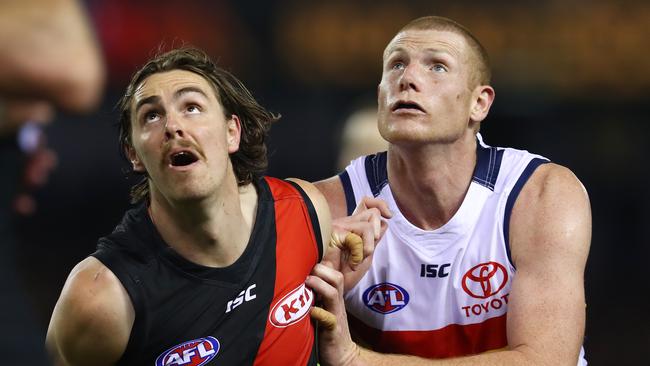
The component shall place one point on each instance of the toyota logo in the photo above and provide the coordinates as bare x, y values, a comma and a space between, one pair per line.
485, 280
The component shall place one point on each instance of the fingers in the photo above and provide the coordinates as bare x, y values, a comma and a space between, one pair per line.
326, 280
355, 245
377, 203
367, 223
328, 284
325, 319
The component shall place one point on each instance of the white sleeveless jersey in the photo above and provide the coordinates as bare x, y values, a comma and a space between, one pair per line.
444, 292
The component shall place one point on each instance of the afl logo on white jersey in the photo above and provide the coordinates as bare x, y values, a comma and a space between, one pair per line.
385, 298
292, 307
485, 280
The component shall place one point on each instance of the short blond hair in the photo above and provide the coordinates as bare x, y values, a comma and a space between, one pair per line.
482, 75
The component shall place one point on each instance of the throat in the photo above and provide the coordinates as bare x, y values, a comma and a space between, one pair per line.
212, 237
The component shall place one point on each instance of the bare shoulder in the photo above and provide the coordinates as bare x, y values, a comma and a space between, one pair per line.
321, 206
92, 319
332, 189
551, 212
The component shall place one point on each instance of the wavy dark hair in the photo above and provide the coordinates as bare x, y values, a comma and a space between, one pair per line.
250, 161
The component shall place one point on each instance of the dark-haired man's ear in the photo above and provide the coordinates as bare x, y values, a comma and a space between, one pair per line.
233, 131
136, 164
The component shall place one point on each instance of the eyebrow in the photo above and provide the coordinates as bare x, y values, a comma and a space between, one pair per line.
155, 99
429, 50
189, 89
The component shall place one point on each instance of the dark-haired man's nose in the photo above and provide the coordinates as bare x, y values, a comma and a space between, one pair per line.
173, 127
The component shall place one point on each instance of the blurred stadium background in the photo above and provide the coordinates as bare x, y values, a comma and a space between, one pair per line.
572, 80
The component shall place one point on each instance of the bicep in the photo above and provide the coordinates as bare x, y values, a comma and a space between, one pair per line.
550, 233
92, 319
332, 189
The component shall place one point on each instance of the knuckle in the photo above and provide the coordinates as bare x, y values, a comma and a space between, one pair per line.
338, 277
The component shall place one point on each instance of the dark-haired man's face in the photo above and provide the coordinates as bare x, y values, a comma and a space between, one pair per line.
180, 136
424, 95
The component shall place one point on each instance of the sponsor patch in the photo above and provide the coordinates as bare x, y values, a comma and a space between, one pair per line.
385, 298
191, 353
292, 307
485, 280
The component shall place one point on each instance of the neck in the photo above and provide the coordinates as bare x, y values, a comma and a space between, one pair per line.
211, 232
429, 182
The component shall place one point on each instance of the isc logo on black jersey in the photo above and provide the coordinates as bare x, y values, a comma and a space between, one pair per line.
244, 296
385, 298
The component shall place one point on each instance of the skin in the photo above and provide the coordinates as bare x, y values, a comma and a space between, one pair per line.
49, 60
58, 61
196, 208
431, 158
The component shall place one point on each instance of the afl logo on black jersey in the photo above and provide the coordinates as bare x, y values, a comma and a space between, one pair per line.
196, 352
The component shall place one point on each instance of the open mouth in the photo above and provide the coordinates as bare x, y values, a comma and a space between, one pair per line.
183, 158
407, 106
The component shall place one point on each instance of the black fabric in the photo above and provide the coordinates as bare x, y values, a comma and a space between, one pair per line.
313, 216
350, 201
377, 171
176, 301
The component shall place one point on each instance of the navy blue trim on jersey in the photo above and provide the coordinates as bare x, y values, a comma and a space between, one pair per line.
377, 171
512, 197
313, 216
350, 201
488, 163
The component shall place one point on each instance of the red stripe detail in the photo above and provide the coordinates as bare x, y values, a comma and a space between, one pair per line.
296, 255
451, 341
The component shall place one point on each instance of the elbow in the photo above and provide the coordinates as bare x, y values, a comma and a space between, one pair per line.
84, 88
529, 356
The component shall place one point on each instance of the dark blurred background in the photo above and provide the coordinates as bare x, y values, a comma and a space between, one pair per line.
572, 80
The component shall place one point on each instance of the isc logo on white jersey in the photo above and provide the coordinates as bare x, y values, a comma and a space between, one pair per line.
292, 307
385, 298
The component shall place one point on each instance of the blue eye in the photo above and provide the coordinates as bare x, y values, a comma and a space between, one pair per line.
193, 109
398, 66
439, 68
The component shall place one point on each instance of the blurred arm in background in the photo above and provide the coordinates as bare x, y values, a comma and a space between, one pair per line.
49, 59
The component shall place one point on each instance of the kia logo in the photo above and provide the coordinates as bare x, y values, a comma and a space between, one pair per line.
292, 307
485, 280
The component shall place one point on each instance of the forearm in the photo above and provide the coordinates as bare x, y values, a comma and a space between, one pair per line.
502, 358
49, 52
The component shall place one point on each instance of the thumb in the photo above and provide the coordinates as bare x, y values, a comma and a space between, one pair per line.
324, 318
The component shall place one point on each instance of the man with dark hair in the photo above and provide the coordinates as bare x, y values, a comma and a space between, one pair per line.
483, 260
211, 266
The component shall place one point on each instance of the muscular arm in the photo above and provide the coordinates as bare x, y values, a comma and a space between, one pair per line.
332, 189
92, 319
550, 238
48, 52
